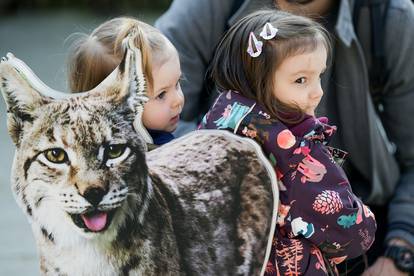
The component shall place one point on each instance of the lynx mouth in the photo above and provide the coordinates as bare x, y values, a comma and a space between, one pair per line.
93, 221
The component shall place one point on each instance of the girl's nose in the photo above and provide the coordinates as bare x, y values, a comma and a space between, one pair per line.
317, 92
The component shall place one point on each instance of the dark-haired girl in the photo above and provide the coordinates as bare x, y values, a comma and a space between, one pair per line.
268, 68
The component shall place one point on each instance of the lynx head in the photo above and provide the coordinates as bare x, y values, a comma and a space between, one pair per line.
80, 161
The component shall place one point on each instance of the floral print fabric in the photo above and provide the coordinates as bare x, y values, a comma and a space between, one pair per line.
320, 221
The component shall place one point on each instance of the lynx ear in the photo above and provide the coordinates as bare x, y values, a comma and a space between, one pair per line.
20, 97
133, 84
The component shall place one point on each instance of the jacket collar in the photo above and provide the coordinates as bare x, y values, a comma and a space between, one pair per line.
344, 26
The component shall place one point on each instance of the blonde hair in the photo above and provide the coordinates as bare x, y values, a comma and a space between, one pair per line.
93, 57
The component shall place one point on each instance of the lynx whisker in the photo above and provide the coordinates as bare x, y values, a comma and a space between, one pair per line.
133, 195
108, 207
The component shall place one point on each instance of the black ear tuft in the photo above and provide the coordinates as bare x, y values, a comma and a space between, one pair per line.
3, 83
22, 100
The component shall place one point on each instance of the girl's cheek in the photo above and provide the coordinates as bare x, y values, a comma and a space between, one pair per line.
182, 95
161, 109
148, 116
158, 112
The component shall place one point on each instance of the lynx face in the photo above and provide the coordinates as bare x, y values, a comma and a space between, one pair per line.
73, 156
72, 166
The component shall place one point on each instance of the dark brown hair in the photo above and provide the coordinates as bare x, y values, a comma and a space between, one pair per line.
93, 57
232, 68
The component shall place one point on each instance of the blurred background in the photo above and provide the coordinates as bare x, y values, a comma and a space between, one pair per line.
37, 32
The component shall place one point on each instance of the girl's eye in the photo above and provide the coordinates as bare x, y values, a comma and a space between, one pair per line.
177, 86
301, 80
114, 151
161, 95
56, 155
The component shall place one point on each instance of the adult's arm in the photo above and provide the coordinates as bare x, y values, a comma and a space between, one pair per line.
398, 114
194, 27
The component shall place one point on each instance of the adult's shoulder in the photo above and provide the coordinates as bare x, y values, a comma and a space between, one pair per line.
195, 27
194, 11
249, 6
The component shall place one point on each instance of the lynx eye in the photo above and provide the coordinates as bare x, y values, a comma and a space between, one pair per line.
115, 151
56, 155
114, 154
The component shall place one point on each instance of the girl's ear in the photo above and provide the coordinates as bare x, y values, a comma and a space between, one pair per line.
21, 98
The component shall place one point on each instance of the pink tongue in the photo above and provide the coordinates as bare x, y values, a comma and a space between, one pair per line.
96, 222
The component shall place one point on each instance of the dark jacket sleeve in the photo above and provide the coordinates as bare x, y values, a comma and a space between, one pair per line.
397, 114
322, 206
194, 27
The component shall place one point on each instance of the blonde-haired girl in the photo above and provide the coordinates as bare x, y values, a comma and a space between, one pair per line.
95, 56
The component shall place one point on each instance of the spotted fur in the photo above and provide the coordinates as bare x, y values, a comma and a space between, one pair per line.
201, 205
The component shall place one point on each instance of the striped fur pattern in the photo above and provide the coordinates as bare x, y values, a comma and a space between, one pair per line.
201, 205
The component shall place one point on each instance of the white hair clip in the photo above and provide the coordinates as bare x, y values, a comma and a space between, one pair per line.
268, 31
257, 49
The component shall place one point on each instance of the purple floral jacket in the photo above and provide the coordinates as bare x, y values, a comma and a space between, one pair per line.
320, 221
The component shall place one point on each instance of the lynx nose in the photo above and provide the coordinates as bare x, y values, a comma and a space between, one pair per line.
94, 195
